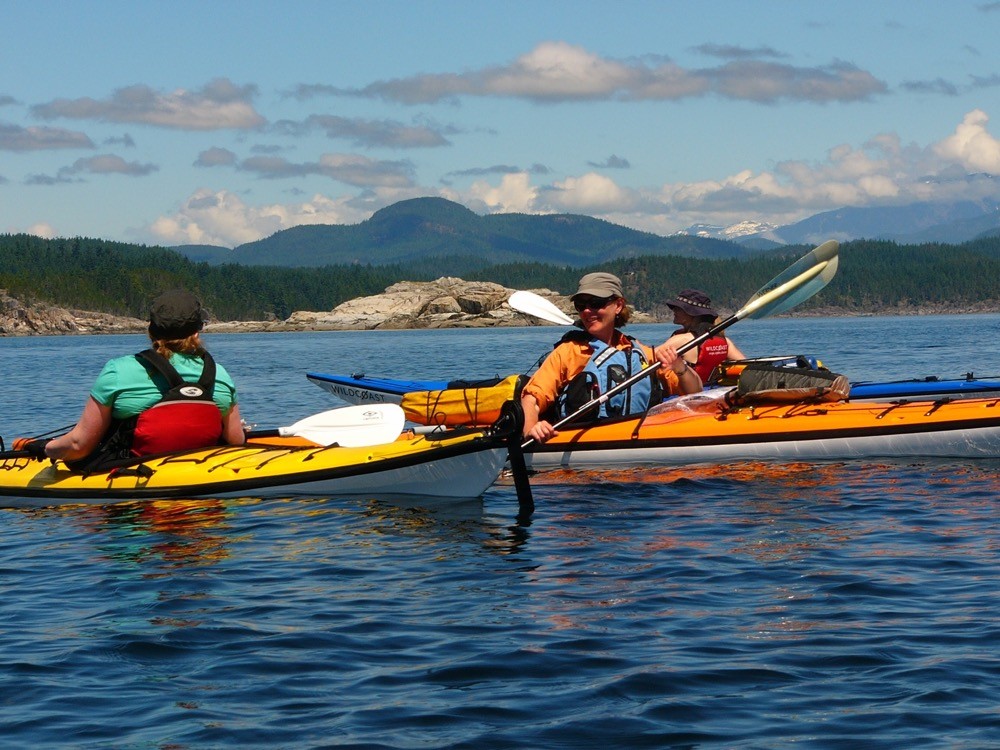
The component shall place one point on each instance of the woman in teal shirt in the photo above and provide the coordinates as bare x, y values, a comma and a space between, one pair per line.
126, 388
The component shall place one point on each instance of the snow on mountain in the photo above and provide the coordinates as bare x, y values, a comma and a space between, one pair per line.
732, 233
949, 222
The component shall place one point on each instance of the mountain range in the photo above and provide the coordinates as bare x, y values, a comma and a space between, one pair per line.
422, 229
439, 231
950, 223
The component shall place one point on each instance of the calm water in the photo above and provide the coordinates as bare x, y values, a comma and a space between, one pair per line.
746, 606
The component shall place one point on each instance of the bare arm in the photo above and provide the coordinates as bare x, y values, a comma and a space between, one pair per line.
539, 430
734, 351
84, 437
232, 427
678, 340
688, 379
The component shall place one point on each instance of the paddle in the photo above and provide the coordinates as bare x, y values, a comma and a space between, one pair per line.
26, 454
349, 426
791, 287
537, 306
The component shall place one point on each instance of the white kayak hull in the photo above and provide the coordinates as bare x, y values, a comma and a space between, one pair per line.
961, 444
464, 476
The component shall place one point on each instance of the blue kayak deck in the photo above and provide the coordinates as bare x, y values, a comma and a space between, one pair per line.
930, 386
360, 388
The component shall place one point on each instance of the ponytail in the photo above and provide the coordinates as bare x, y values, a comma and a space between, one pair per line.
189, 345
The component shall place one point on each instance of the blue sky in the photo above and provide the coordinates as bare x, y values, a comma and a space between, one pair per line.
224, 122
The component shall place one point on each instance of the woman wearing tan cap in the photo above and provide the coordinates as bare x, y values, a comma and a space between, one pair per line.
587, 363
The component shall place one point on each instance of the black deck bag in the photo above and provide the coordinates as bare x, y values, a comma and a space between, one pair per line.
762, 382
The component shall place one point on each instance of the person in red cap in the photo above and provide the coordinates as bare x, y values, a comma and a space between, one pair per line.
693, 312
587, 363
172, 396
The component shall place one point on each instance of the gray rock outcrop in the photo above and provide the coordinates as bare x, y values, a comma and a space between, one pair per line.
447, 302
20, 319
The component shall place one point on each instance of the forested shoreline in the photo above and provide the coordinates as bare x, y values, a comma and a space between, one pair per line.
875, 277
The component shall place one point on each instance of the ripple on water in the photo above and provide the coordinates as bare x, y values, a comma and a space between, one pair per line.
746, 606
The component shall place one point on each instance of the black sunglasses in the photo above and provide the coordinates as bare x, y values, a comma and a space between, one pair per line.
593, 303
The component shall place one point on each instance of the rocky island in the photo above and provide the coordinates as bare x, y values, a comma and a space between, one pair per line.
447, 302
19, 318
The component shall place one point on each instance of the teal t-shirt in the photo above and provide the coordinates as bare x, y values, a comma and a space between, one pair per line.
127, 387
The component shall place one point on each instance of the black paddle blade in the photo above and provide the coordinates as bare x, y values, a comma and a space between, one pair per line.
509, 425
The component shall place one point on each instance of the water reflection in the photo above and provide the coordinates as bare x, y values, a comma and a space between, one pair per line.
787, 532
445, 526
180, 533
449, 525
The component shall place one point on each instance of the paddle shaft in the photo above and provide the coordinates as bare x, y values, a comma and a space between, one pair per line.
15, 454
25, 454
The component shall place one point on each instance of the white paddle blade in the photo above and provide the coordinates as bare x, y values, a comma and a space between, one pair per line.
795, 284
537, 306
825, 252
350, 426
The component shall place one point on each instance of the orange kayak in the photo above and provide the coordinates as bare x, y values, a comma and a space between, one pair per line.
698, 429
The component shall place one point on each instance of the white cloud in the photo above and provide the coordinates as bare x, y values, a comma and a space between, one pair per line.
216, 157
879, 186
514, 194
591, 194
362, 171
222, 218
42, 229
369, 133
557, 70
18, 138
352, 169
882, 171
972, 146
107, 164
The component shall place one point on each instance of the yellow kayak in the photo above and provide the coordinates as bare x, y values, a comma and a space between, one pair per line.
459, 463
